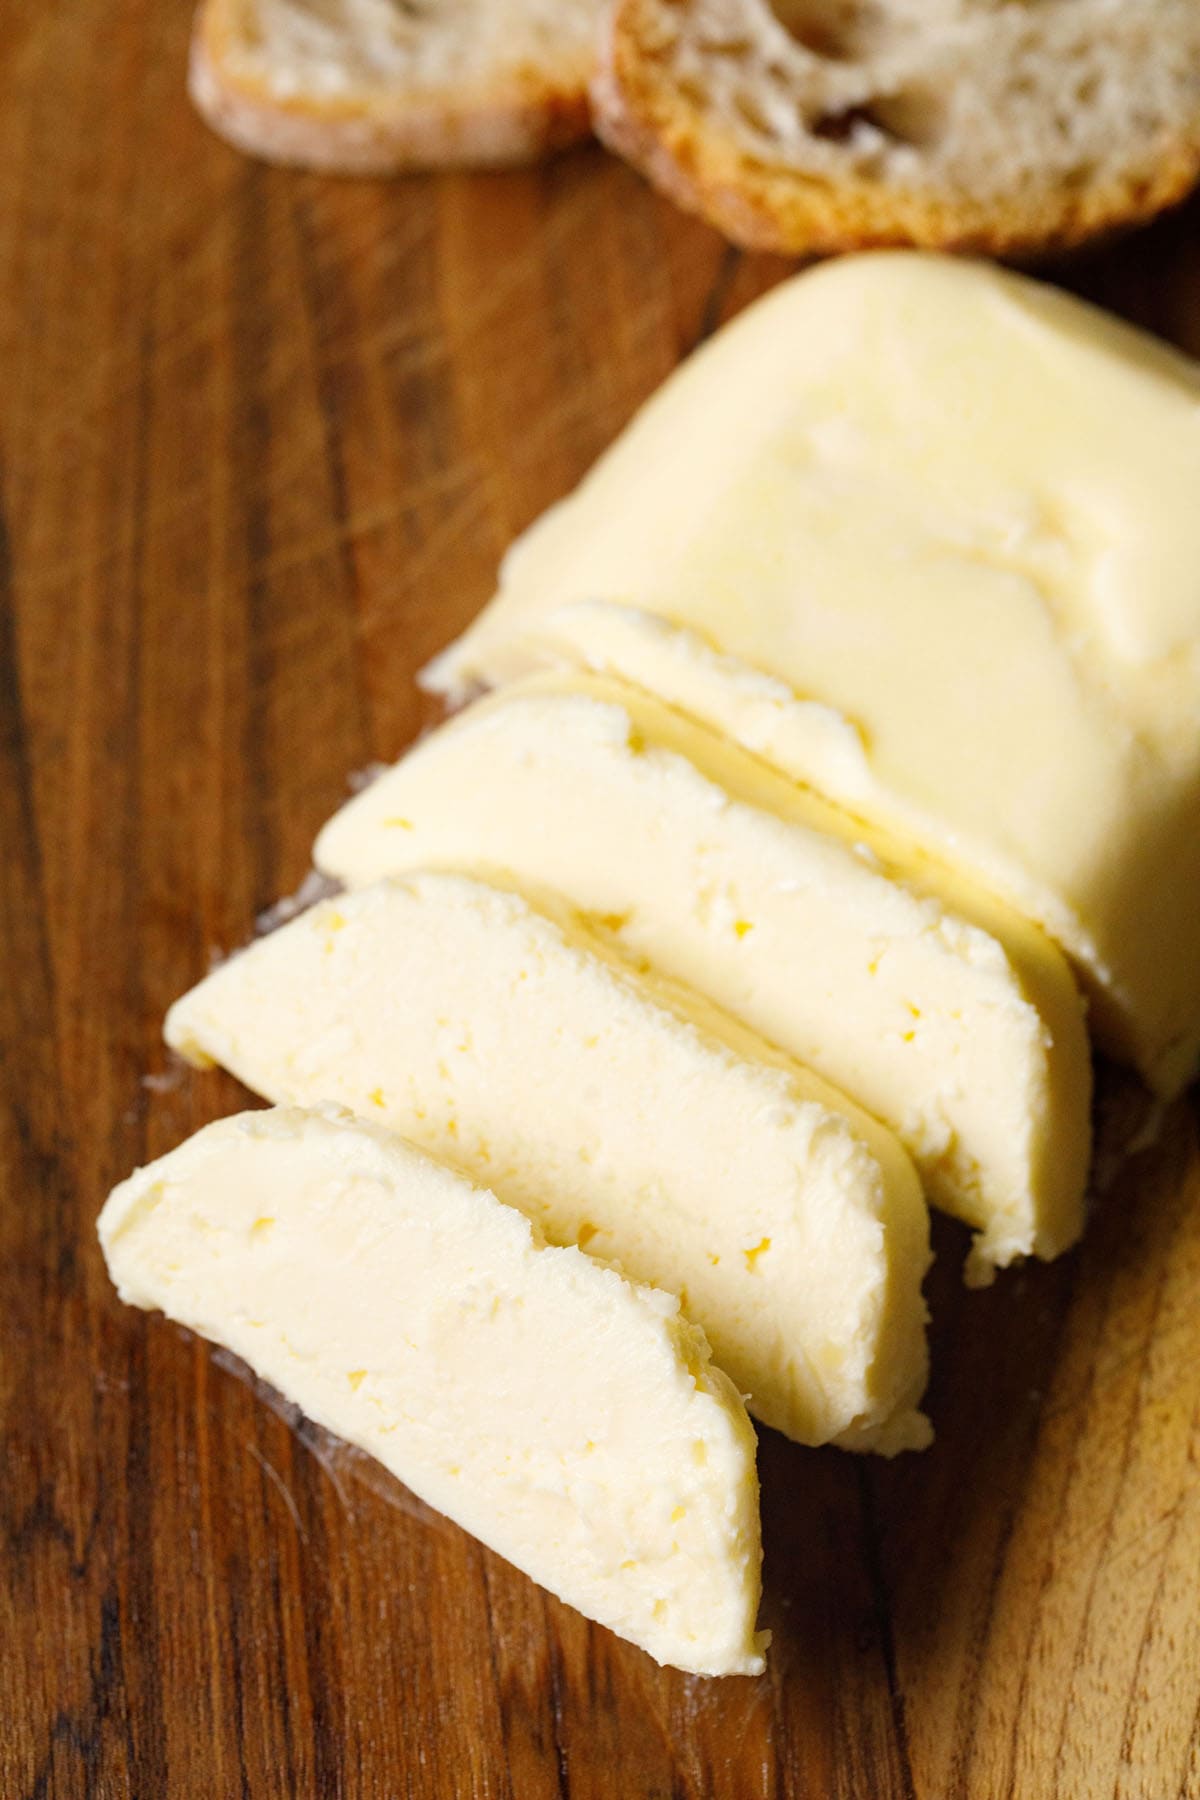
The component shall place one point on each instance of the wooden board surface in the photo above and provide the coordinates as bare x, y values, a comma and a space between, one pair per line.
262, 440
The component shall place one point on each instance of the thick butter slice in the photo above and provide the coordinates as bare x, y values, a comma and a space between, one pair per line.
620, 1114
932, 531
937, 1008
570, 1419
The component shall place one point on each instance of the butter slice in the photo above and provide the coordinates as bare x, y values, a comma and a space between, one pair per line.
619, 1114
931, 531
566, 1417
938, 1009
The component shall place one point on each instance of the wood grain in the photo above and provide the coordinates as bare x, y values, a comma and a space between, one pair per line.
262, 439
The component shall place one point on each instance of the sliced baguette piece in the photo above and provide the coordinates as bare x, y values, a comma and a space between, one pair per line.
372, 87
571, 1420
620, 1113
818, 125
937, 1008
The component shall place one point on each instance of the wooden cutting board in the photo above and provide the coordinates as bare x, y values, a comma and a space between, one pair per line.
262, 440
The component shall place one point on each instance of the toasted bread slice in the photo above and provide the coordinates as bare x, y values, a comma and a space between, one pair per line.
370, 87
818, 125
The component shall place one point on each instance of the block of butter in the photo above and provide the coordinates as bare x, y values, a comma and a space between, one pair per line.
938, 1009
925, 534
621, 1114
567, 1417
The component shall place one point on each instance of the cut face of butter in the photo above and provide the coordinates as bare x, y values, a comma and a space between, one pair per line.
618, 1113
565, 1416
940, 1010
952, 515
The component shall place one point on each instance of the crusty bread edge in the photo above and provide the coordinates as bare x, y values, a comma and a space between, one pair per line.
487, 129
707, 172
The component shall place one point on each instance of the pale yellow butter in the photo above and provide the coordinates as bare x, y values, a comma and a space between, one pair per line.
937, 1008
619, 1113
565, 1416
931, 533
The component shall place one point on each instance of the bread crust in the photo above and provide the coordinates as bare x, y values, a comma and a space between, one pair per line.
705, 171
492, 126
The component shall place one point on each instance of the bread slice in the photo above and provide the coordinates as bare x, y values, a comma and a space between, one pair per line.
370, 87
820, 125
